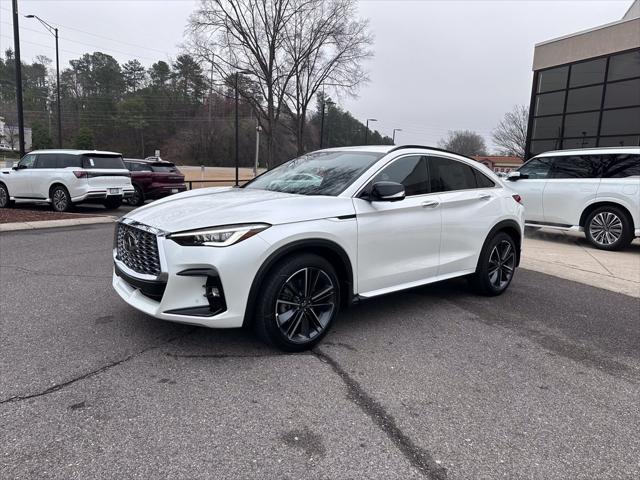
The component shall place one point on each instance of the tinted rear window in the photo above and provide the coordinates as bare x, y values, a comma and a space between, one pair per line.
103, 161
57, 160
620, 166
164, 168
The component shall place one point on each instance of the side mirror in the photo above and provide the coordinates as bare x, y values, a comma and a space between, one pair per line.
387, 192
19, 167
513, 176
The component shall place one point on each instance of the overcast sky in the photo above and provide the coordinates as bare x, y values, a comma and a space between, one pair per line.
438, 66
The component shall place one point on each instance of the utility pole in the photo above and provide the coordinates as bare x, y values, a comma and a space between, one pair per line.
54, 31
237, 130
16, 47
325, 103
366, 131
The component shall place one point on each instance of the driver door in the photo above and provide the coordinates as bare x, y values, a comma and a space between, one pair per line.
399, 241
21, 184
530, 186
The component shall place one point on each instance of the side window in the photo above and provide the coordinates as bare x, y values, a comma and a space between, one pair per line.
537, 168
141, 167
66, 160
46, 160
620, 166
27, 161
482, 181
409, 171
447, 175
575, 166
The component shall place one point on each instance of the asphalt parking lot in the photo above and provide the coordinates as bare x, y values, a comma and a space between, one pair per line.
540, 383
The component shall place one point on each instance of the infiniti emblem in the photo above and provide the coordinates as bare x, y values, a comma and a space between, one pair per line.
130, 242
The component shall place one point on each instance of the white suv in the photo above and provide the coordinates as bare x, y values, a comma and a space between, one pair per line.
65, 177
285, 255
595, 190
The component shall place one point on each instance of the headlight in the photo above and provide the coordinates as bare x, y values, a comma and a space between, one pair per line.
218, 236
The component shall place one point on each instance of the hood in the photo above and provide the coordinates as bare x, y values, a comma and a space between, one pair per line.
209, 207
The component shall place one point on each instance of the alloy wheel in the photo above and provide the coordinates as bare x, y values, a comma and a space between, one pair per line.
305, 304
60, 200
606, 228
502, 264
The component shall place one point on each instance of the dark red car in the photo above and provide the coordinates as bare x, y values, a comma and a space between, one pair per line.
153, 179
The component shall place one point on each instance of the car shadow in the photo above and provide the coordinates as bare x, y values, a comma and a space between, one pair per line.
571, 238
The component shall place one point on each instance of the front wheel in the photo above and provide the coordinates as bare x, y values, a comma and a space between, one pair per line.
299, 302
608, 228
5, 200
496, 265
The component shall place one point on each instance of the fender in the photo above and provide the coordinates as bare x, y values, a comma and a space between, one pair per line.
506, 224
306, 244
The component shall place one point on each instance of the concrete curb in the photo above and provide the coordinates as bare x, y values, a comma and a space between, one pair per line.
71, 222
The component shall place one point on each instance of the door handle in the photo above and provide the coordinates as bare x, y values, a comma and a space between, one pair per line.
430, 204
484, 196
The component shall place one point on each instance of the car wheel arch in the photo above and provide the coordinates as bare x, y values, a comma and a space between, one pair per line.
595, 205
512, 228
327, 249
57, 184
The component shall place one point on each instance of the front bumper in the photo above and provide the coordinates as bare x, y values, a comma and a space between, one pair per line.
183, 291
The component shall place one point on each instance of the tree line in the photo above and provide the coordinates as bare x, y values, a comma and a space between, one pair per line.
290, 52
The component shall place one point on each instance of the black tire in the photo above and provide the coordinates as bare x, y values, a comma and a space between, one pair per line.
5, 199
60, 199
494, 276
112, 203
137, 198
609, 228
303, 323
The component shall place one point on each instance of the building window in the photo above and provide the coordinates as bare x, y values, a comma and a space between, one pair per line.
626, 65
587, 104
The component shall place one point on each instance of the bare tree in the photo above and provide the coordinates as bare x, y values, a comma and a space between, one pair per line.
511, 133
464, 142
248, 36
325, 45
12, 136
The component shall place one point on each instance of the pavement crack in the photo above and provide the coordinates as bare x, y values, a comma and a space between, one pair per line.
232, 355
93, 373
420, 458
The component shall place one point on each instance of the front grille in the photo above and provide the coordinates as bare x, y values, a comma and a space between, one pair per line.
137, 249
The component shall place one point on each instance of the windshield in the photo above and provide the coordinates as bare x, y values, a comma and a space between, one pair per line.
321, 173
102, 161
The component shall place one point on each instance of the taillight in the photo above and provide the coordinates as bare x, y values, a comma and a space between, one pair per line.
81, 174
517, 198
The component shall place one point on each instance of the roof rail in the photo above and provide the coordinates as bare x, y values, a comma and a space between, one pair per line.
431, 148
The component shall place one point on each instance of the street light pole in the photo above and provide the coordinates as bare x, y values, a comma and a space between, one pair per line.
18, 66
324, 104
394, 134
237, 129
54, 31
366, 130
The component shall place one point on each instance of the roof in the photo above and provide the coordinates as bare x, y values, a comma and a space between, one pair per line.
591, 151
76, 152
499, 159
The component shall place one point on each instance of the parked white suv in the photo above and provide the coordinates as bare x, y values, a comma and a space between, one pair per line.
286, 255
65, 177
594, 190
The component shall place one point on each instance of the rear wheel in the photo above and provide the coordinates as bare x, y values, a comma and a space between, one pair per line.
4, 196
60, 199
608, 228
137, 198
299, 302
112, 203
496, 265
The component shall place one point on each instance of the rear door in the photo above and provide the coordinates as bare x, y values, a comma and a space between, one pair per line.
572, 184
469, 203
530, 186
106, 172
46, 170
